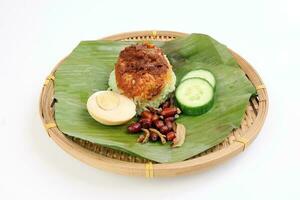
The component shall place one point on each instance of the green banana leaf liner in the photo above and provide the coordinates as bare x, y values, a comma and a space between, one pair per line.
86, 70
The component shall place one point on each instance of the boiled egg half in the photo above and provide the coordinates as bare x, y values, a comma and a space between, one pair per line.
110, 108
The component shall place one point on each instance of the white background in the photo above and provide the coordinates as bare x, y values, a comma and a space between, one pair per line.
35, 35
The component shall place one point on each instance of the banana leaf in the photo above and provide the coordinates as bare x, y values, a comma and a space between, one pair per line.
87, 68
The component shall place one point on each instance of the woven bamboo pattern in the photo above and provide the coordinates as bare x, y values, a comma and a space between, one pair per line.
105, 158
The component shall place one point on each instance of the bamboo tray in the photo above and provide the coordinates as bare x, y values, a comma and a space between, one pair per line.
122, 163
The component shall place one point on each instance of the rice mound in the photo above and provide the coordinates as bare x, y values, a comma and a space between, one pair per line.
142, 104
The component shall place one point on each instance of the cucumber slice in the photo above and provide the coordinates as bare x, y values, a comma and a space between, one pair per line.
195, 96
201, 73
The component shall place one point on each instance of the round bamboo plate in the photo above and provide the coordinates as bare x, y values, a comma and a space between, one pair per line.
119, 162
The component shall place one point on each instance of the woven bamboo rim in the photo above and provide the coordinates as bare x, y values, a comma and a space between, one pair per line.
119, 162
